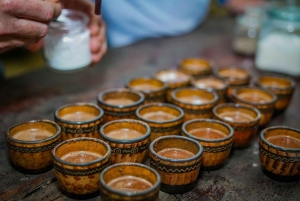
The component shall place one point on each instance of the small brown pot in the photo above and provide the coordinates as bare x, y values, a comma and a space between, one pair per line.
153, 89
140, 171
163, 118
279, 152
80, 180
236, 77
215, 150
32, 156
196, 66
282, 86
174, 79
127, 150
217, 84
177, 175
196, 103
79, 120
261, 99
120, 103
243, 119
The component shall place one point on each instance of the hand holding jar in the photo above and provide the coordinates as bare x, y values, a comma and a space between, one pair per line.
98, 43
23, 23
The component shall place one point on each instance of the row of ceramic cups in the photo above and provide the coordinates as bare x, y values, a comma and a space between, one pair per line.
171, 175
79, 161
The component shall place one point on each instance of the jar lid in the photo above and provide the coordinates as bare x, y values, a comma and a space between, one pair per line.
69, 20
289, 13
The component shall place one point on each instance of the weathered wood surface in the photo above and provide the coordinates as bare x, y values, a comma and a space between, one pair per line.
38, 94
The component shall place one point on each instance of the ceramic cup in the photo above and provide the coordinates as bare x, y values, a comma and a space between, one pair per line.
77, 166
30, 143
128, 138
163, 119
212, 82
279, 152
243, 119
129, 181
196, 66
120, 103
196, 103
261, 99
282, 86
215, 136
79, 120
235, 76
174, 79
153, 89
178, 160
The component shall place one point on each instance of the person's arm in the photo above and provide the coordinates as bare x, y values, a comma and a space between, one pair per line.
239, 6
23, 23
97, 26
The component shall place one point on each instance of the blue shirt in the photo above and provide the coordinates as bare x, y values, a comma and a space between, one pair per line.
129, 21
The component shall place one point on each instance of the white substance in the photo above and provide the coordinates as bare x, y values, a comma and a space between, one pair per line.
279, 52
69, 52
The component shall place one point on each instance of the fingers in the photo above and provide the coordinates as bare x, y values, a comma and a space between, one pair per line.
8, 42
35, 47
38, 10
98, 42
29, 29
96, 57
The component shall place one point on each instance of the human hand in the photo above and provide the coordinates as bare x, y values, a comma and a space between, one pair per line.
23, 23
239, 6
97, 27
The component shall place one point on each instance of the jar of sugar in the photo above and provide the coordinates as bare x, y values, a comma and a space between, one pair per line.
279, 41
67, 44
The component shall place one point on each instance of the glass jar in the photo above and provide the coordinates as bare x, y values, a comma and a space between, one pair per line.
67, 44
246, 30
279, 41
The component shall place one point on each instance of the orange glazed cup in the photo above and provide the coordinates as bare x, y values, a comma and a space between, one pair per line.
30, 144
215, 136
79, 120
279, 152
178, 160
78, 163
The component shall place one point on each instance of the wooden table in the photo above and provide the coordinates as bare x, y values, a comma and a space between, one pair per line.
38, 94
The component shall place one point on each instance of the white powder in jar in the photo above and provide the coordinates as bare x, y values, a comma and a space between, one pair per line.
279, 52
67, 45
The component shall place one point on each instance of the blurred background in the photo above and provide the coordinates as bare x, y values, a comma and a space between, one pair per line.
244, 39
19, 61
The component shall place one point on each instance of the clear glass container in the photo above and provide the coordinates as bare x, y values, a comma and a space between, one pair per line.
67, 44
246, 31
279, 41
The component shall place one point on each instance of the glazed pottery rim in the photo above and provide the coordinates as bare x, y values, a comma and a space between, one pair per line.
230, 136
126, 141
58, 132
286, 78
121, 90
173, 70
160, 105
213, 101
236, 105
247, 77
79, 104
236, 90
223, 80
56, 158
264, 131
139, 193
174, 160
209, 67
162, 88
